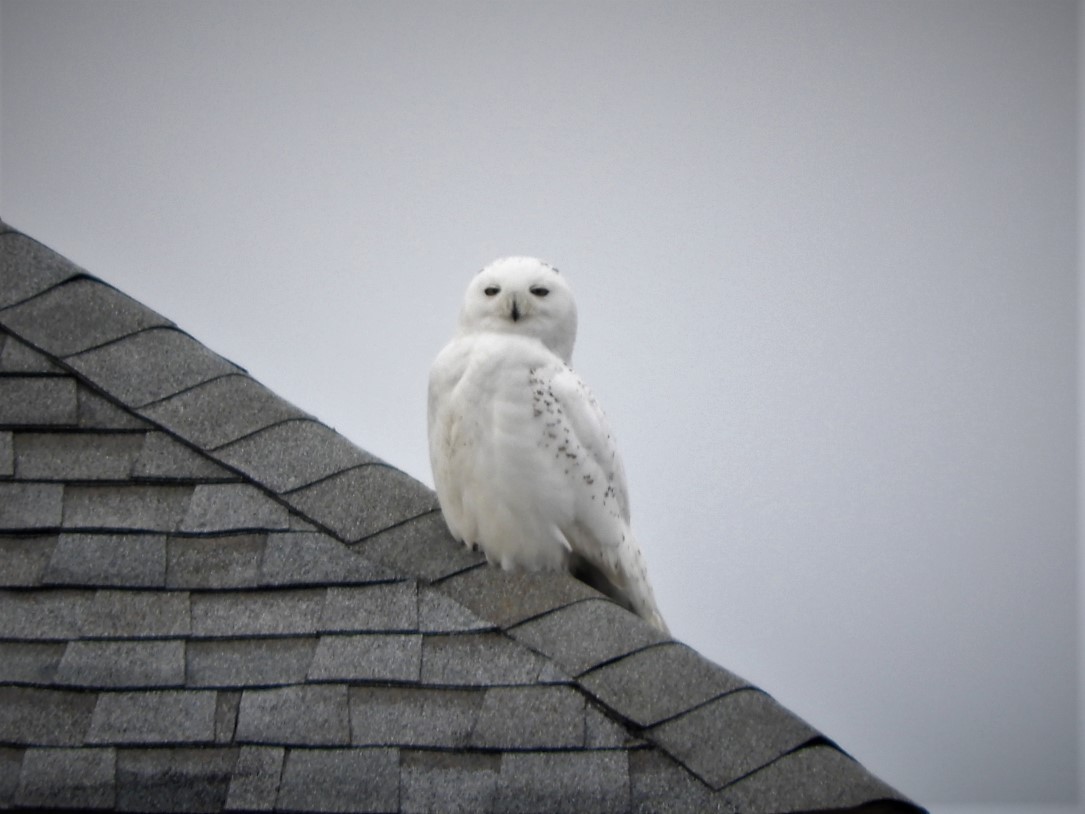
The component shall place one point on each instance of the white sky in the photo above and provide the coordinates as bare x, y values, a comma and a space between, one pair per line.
824, 255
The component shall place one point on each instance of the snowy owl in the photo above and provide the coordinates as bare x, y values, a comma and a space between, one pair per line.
523, 461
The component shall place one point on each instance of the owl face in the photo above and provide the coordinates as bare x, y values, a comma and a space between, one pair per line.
522, 295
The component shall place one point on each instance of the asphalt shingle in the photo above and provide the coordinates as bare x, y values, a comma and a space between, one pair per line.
23, 560
361, 502
312, 558
28, 268
174, 780
224, 507
130, 560
11, 762
76, 456
447, 782
811, 779
135, 614
307, 715
586, 634
29, 662
751, 728
512, 597
256, 662
277, 613
660, 785
560, 782
340, 780
123, 664
163, 458
150, 366
44, 615
128, 507
38, 401
438, 613
420, 546
68, 778
78, 315
18, 357
293, 454
44, 717
530, 718
155, 717
7, 455
658, 683
31, 505
254, 785
215, 562
98, 413
383, 607
413, 716
479, 660
368, 657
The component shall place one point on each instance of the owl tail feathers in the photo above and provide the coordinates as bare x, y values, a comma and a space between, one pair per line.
626, 583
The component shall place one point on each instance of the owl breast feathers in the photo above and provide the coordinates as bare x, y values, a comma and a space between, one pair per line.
524, 464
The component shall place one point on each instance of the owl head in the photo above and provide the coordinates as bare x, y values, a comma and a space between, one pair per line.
524, 296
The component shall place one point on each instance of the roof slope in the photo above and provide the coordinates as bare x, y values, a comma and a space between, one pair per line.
211, 601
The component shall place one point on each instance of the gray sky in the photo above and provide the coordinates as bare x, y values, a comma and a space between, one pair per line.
825, 260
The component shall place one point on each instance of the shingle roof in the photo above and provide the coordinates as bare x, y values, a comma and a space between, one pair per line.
211, 601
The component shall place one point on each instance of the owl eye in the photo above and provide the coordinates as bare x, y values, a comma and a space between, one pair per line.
491, 291
539, 291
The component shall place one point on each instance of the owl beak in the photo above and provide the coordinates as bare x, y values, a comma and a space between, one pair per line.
515, 311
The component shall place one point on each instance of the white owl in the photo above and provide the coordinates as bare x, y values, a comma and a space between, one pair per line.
523, 461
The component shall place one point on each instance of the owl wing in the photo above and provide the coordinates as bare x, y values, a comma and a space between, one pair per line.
600, 533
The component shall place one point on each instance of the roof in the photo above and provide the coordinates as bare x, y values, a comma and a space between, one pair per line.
211, 601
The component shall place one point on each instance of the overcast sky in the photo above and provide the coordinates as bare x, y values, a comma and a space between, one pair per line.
824, 254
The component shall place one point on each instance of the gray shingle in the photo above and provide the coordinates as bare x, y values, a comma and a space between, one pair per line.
75, 456
137, 507
130, 560
659, 683
220, 411
78, 315
18, 357
43, 615
174, 780
163, 458
68, 778
530, 718
156, 717
746, 728
40, 717
305, 558
385, 607
214, 562
364, 501
557, 782
509, 597
98, 413
38, 401
293, 454
29, 662
421, 546
413, 716
482, 659
28, 268
815, 778
11, 764
227, 705
150, 365
438, 613
295, 716
233, 507
7, 455
260, 662
123, 664
137, 614
257, 614
447, 782
23, 559
340, 780
586, 634
368, 657
255, 782
31, 505
658, 785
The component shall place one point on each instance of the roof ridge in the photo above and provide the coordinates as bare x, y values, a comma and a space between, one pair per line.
288, 473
